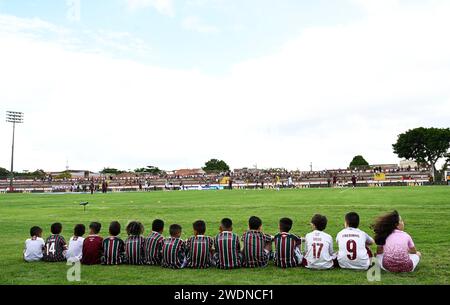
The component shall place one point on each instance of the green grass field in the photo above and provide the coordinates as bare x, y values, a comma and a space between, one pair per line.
426, 211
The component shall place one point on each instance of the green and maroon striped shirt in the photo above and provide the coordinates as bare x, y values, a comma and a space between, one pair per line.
227, 248
55, 247
285, 246
134, 250
153, 248
199, 251
253, 254
113, 251
173, 253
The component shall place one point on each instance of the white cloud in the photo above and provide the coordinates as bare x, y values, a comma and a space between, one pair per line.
193, 23
329, 94
164, 7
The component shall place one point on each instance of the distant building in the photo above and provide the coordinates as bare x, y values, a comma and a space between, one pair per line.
406, 163
77, 174
189, 172
385, 166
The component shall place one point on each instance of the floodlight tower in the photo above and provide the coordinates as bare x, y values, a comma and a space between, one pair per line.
13, 117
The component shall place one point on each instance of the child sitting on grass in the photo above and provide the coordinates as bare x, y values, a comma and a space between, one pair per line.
153, 243
396, 251
319, 246
353, 245
227, 246
93, 246
134, 244
75, 251
113, 246
257, 245
55, 245
34, 246
199, 248
287, 246
174, 249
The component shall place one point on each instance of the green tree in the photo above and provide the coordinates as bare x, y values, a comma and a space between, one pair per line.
424, 145
64, 175
149, 170
359, 162
113, 171
4, 173
214, 165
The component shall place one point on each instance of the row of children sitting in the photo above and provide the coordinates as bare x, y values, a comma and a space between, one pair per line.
395, 249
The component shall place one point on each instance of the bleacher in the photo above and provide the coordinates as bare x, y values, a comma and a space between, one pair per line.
262, 178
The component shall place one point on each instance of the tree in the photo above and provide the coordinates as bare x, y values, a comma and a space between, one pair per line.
359, 162
113, 171
149, 170
214, 165
64, 175
4, 173
424, 145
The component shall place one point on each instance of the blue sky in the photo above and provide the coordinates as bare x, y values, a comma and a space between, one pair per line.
174, 83
235, 30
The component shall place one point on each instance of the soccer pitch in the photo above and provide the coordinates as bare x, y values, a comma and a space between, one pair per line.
426, 211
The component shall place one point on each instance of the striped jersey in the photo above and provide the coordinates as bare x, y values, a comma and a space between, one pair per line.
173, 253
153, 248
55, 249
286, 245
134, 250
199, 251
113, 251
227, 248
254, 254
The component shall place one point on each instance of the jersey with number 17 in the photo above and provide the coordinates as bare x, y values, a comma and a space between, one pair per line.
319, 250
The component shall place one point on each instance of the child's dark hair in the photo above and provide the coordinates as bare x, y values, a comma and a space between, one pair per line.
95, 227
254, 223
157, 225
56, 228
35, 231
319, 221
114, 228
174, 229
199, 226
384, 226
135, 228
79, 230
285, 224
226, 223
352, 219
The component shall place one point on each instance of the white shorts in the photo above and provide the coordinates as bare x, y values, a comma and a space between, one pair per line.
414, 258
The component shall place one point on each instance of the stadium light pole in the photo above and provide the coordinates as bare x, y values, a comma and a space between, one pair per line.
13, 117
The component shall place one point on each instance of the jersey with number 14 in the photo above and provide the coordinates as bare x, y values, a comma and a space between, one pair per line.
55, 249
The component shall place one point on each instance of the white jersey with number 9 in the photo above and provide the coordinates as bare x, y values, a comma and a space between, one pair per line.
352, 249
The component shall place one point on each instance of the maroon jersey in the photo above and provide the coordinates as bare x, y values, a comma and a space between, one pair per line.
55, 249
92, 250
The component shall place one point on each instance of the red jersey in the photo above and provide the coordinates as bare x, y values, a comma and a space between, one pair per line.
92, 250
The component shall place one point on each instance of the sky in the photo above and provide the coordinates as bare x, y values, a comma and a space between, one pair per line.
172, 83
